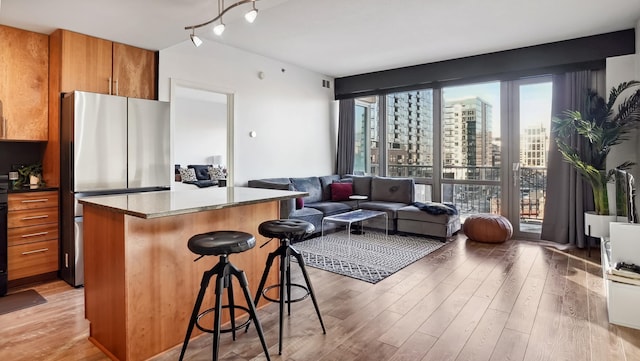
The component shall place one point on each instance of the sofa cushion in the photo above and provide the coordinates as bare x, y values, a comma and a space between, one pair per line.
361, 185
341, 191
310, 215
325, 183
310, 185
188, 175
399, 190
202, 171
286, 206
329, 208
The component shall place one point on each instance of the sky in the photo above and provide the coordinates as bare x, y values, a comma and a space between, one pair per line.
535, 106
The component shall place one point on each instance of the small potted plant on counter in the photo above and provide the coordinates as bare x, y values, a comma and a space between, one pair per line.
30, 175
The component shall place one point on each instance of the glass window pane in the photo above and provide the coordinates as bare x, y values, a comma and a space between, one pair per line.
367, 136
471, 131
410, 134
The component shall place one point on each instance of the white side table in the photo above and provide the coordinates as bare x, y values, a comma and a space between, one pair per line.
358, 198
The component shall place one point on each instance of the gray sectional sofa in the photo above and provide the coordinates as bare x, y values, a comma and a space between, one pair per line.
395, 196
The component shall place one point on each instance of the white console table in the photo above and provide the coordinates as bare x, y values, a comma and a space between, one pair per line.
622, 298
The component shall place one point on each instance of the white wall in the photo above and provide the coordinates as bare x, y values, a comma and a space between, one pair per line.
200, 132
295, 118
621, 69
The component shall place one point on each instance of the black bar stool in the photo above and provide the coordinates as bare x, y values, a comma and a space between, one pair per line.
287, 231
222, 243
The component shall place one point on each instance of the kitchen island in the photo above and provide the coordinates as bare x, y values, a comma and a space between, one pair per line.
141, 279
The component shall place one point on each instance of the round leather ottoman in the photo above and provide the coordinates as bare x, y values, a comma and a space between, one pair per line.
488, 228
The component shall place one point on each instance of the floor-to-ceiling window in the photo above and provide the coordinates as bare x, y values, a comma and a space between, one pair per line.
483, 148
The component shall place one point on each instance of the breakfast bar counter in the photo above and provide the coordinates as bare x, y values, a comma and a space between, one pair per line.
141, 279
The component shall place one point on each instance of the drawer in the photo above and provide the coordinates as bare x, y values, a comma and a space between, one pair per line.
32, 259
30, 234
18, 201
32, 217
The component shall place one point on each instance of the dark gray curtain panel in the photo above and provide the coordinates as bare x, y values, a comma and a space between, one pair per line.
346, 136
568, 196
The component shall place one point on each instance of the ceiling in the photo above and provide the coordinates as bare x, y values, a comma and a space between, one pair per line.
336, 37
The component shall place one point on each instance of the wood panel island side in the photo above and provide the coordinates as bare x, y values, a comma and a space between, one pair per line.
141, 279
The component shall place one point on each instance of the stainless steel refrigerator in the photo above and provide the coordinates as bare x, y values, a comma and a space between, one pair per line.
109, 145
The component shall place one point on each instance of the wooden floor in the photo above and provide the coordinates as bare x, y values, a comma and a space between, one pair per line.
467, 301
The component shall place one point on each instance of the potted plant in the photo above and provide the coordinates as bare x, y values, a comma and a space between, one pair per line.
603, 125
30, 174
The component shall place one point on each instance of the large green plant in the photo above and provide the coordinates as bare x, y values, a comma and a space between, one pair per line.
600, 128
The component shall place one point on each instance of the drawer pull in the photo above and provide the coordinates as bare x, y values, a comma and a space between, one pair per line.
34, 234
35, 251
35, 200
35, 217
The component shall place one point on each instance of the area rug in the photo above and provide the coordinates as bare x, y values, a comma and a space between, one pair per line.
371, 257
17, 301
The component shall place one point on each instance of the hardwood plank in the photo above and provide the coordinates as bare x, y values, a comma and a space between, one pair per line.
453, 339
506, 296
573, 336
511, 346
483, 340
449, 309
524, 310
546, 325
407, 325
414, 348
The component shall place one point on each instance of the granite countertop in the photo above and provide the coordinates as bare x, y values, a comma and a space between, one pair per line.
31, 190
170, 203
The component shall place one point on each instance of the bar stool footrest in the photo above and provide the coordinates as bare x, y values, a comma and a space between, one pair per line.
222, 330
301, 298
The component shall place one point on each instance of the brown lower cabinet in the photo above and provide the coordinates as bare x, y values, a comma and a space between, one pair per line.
33, 234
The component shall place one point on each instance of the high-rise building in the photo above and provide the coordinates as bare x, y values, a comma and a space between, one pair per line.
410, 128
467, 136
533, 146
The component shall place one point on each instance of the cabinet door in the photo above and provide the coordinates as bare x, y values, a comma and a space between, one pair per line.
24, 79
134, 72
86, 63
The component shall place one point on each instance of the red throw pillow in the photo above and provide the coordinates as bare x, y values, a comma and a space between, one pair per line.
341, 191
299, 203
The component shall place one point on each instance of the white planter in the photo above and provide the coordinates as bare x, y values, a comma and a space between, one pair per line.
596, 225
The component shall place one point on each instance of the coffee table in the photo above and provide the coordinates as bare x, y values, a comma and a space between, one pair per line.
358, 215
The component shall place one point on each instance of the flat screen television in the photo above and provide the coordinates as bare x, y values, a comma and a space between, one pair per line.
625, 196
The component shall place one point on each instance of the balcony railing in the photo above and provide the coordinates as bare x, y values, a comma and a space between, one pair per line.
482, 198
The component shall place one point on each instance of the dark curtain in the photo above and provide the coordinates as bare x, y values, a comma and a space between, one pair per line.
346, 136
568, 196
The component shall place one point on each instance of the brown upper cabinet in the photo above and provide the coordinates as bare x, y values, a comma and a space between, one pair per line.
24, 77
102, 66
85, 63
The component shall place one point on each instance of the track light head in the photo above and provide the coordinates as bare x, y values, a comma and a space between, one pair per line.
252, 14
195, 39
219, 29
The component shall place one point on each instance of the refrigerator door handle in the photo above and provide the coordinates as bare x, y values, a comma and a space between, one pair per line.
71, 185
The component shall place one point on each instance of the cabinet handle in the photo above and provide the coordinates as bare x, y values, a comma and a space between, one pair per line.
35, 200
34, 234
110, 86
35, 251
117, 88
4, 127
35, 217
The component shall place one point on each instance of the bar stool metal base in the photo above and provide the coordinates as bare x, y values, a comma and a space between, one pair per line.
285, 252
223, 271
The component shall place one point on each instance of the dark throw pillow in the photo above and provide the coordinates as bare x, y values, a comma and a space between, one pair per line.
299, 203
341, 191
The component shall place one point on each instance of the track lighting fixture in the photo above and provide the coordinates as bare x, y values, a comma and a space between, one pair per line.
250, 16
195, 39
